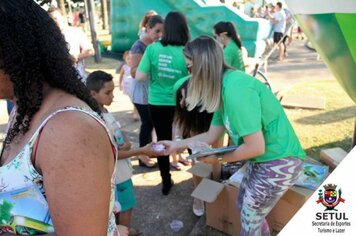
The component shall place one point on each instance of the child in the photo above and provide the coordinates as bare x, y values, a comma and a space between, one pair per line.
126, 80
300, 33
125, 74
101, 88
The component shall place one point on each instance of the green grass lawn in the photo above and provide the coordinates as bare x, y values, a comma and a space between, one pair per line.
332, 127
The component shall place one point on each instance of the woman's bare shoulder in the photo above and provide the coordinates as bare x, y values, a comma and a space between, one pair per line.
74, 134
76, 160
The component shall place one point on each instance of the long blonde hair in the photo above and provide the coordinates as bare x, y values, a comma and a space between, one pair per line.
207, 73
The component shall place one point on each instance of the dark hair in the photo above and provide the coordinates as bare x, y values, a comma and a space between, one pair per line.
153, 21
228, 28
1, 61
34, 52
175, 30
192, 122
279, 4
97, 79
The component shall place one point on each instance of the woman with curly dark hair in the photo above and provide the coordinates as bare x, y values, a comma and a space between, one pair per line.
57, 146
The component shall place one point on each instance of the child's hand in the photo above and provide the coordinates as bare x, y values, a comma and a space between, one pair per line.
120, 87
125, 146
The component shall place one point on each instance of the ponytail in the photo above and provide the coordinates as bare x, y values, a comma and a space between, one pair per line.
233, 34
229, 29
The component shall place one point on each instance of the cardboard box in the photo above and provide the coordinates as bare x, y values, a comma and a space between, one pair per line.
222, 214
332, 156
220, 207
286, 208
221, 210
201, 170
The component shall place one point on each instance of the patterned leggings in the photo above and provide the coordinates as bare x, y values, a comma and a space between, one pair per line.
261, 188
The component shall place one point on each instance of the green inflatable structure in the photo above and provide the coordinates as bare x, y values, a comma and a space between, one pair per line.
201, 16
330, 27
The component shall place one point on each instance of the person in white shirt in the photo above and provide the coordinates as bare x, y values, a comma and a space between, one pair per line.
278, 19
79, 45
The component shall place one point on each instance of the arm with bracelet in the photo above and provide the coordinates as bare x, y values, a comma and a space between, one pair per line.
253, 144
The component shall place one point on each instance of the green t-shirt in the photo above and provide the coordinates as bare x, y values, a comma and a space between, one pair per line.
249, 106
164, 65
233, 56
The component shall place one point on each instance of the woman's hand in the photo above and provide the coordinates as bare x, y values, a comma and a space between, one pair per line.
140, 76
169, 147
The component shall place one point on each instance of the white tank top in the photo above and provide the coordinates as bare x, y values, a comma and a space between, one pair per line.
20, 173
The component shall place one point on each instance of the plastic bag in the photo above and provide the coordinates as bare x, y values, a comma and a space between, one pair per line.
313, 175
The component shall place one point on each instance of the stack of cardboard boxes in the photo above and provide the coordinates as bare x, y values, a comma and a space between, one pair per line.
332, 156
220, 199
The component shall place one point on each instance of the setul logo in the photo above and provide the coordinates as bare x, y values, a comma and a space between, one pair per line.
330, 198
330, 220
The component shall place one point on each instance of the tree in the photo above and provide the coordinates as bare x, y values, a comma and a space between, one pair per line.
61, 5
104, 11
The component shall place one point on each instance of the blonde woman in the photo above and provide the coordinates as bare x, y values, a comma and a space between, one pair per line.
255, 121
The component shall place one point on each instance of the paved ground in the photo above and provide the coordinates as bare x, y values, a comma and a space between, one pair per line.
300, 66
155, 211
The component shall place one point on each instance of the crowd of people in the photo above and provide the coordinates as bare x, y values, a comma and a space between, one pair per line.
279, 16
62, 141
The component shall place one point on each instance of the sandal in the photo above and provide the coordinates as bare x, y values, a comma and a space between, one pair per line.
175, 167
184, 162
149, 164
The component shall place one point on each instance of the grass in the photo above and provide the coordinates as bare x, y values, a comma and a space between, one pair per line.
319, 129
